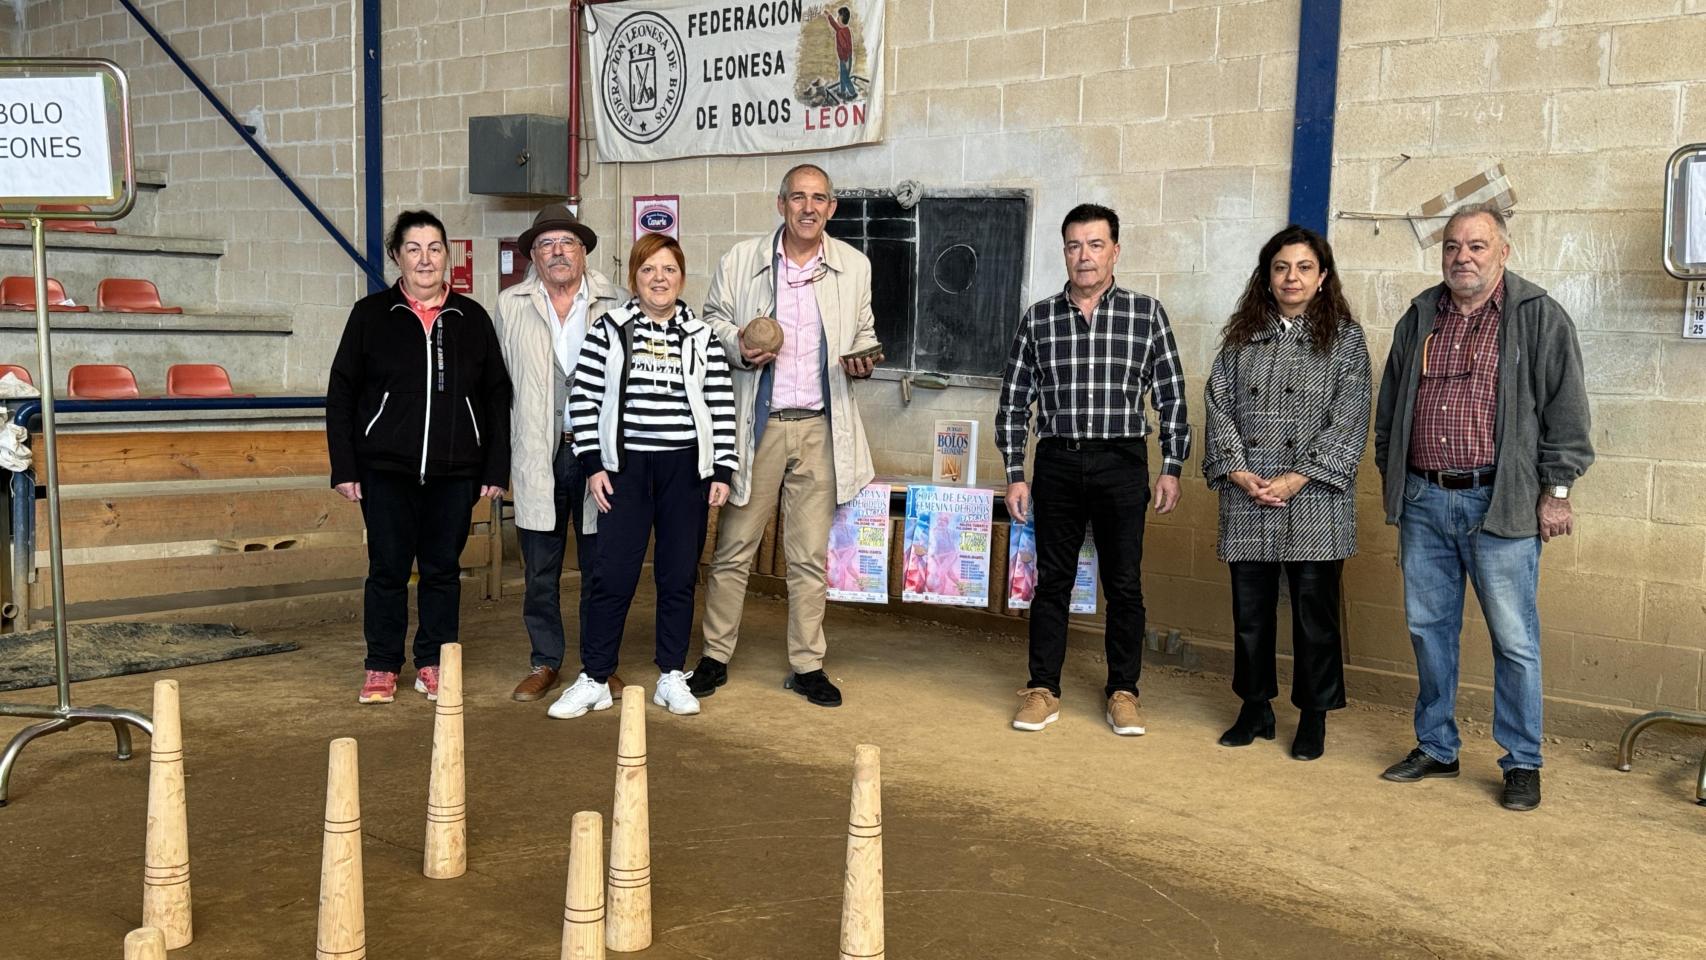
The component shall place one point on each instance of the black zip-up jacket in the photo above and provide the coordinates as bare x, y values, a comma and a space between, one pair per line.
429, 404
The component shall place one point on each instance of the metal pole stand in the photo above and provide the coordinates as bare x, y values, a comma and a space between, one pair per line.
62, 716
1626, 746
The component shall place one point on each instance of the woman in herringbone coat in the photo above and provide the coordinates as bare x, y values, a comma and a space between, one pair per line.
1288, 407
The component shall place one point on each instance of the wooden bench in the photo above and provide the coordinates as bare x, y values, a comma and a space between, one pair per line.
154, 514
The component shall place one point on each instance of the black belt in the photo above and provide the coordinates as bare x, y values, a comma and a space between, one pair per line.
795, 413
1112, 443
568, 437
1457, 479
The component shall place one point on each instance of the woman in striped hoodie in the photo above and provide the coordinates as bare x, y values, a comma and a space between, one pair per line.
654, 427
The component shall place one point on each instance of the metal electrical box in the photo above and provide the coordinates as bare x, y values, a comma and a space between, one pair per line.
518, 155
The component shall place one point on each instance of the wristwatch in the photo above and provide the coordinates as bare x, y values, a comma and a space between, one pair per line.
1558, 492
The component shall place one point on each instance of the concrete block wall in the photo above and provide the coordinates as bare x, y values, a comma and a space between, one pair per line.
1582, 102
1177, 113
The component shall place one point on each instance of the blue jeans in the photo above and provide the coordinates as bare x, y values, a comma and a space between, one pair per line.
847, 79
1439, 541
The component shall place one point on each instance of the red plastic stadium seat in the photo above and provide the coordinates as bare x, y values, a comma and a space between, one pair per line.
19, 372
131, 296
74, 226
102, 381
198, 380
19, 293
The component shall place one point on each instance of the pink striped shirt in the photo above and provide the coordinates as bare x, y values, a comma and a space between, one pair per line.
798, 380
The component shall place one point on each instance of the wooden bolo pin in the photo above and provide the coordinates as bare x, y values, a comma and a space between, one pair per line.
166, 865
343, 909
583, 905
446, 853
862, 896
145, 943
628, 899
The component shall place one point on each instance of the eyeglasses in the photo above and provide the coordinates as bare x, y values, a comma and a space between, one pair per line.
552, 246
821, 271
1457, 364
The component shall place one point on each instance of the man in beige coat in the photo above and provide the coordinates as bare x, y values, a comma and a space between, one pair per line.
541, 322
798, 429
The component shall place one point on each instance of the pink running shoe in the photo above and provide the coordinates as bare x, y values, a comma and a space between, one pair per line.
426, 681
380, 687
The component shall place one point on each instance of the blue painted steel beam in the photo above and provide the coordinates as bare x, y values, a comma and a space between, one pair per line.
1317, 96
373, 139
375, 272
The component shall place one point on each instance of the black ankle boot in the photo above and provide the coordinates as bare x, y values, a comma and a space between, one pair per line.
1311, 740
1254, 720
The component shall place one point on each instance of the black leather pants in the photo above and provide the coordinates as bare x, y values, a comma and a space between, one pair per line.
1318, 670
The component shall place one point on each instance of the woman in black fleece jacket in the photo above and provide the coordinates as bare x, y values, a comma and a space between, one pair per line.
417, 426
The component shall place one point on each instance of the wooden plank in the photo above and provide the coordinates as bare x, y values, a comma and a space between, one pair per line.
897, 532
158, 577
193, 515
189, 455
779, 550
766, 547
710, 550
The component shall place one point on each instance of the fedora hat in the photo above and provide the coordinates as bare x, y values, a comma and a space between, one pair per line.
558, 216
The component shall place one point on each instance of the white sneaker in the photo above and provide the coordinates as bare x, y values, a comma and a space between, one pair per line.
583, 695
672, 693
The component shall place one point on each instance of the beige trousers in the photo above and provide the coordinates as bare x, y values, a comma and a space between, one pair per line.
793, 462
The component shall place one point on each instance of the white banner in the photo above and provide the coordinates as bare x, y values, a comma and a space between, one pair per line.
53, 138
680, 78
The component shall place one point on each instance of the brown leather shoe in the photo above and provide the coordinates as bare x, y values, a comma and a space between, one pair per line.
615, 683
535, 685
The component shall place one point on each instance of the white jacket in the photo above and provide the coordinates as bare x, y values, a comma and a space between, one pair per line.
744, 287
527, 331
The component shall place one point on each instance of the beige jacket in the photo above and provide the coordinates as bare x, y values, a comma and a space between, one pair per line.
743, 288
525, 329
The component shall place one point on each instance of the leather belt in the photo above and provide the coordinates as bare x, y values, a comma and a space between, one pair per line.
1108, 443
1457, 480
795, 413
568, 437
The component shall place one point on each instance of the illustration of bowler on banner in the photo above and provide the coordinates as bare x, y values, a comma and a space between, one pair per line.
679, 78
661, 214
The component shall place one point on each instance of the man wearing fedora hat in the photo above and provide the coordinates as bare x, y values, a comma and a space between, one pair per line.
541, 322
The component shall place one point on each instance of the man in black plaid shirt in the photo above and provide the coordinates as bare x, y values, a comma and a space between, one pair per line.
1085, 357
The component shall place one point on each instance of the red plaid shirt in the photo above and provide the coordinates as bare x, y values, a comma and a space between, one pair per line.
1457, 399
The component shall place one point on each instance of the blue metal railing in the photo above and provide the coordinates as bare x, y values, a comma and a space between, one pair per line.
375, 272
23, 483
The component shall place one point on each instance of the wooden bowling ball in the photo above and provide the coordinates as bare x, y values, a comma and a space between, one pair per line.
763, 333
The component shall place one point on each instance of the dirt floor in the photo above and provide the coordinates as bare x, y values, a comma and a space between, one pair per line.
1068, 843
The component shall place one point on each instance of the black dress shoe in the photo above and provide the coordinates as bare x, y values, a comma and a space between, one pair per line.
1419, 766
815, 686
707, 677
1311, 740
1255, 719
1522, 789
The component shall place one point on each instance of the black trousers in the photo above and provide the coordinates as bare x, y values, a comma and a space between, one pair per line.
411, 523
542, 556
1104, 485
657, 494
1318, 661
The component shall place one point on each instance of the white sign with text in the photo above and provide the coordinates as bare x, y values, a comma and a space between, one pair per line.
54, 141
681, 78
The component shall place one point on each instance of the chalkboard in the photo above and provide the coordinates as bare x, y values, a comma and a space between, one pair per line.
946, 277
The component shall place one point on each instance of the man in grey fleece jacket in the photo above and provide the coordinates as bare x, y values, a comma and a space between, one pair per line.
1480, 431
